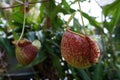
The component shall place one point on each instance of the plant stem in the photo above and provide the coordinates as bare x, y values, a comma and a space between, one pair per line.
82, 17
23, 29
112, 48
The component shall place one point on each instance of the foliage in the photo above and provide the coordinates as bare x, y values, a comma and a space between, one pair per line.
44, 23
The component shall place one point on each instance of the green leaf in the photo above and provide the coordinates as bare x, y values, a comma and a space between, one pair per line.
55, 11
17, 16
98, 72
55, 60
116, 39
76, 25
110, 8
92, 20
112, 11
66, 6
49, 7
57, 64
15, 36
74, 73
84, 75
66, 9
5, 44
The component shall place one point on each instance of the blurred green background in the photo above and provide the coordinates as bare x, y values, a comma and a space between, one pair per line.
45, 21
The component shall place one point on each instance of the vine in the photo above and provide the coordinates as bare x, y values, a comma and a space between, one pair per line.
23, 29
73, 14
81, 15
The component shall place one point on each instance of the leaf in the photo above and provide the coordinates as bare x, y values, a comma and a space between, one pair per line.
55, 11
57, 24
76, 25
17, 16
113, 11
55, 60
66, 9
5, 44
98, 72
66, 5
84, 75
15, 36
74, 73
57, 65
109, 9
92, 20
116, 38
49, 7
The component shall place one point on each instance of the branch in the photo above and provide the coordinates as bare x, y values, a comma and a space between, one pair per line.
23, 4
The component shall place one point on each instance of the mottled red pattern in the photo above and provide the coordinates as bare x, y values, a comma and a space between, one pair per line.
94, 50
23, 43
78, 50
25, 52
